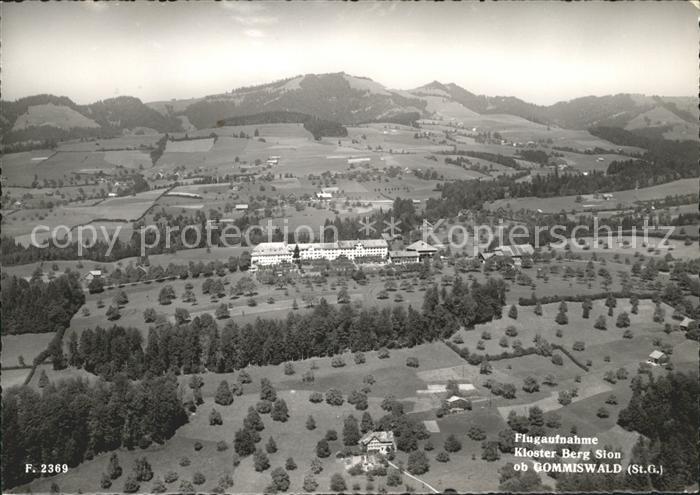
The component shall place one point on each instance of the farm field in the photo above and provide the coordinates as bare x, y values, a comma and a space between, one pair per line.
19, 168
590, 163
623, 198
628, 245
55, 115
27, 346
577, 329
143, 141
122, 210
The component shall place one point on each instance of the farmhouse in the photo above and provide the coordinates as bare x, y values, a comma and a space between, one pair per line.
400, 257
272, 253
457, 404
92, 274
423, 249
324, 195
379, 442
687, 324
242, 207
657, 358
330, 190
515, 251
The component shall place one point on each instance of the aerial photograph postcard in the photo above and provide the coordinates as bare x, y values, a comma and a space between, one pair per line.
349, 247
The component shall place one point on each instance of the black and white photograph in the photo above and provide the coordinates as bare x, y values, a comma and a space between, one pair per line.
370, 247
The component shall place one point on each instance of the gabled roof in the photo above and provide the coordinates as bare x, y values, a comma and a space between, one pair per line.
516, 250
456, 398
271, 248
686, 321
656, 354
421, 246
380, 436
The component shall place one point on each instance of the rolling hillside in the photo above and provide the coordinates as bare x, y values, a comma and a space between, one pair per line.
670, 117
51, 118
341, 98
335, 97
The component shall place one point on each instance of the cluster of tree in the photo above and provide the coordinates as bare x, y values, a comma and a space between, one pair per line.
506, 161
37, 307
73, 421
665, 410
669, 158
158, 151
325, 331
536, 156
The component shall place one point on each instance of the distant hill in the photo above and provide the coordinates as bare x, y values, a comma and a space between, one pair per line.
336, 97
340, 99
672, 117
52, 118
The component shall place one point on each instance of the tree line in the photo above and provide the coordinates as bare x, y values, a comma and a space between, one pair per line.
192, 347
37, 307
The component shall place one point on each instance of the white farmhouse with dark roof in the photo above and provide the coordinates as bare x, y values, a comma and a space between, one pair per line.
423, 249
92, 274
381, 442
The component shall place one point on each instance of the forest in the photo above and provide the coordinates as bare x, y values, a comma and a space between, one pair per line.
72, 421
36, 307
665, 410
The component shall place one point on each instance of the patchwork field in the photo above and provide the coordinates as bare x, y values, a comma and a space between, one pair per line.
111, 212
623, 198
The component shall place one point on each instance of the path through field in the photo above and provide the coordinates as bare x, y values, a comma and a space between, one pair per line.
413, 477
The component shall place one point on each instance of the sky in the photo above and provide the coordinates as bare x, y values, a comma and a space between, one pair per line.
542, 52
